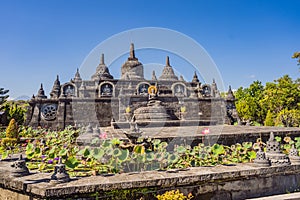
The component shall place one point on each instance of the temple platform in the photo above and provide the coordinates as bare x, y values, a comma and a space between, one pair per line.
222, 134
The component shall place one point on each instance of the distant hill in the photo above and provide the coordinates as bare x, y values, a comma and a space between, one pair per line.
23, 97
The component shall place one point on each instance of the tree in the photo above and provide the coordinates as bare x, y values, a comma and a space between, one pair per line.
248, 103
281, 94
16, 110
296, 55
3, 96
278, 100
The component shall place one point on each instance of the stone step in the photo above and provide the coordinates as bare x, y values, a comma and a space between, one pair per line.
291, 196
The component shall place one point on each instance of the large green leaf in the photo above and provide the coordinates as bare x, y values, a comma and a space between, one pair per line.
29, 148
252, 155
124, 154
218, 149
173, 158
150, 156
98, 153
72, 162
181, 149
84, 152
116, 152
63, 152
159, 156
247, 145
4, 155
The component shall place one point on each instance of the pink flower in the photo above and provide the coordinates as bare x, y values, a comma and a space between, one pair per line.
205, 131
103, 136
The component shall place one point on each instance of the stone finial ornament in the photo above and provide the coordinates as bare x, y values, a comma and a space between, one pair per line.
60, 174
181, 78
87, 137
294, 155
132, 53
195, 78
41, 93
102, 71
272, 145
89, 129
102, 59
135, 131
230, 95
19, 167
55, 93
168, 72
96, 131
154, 78
77, 77
261, 159
274, 155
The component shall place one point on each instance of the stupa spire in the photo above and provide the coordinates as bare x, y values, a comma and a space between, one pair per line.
102, 71
77, 76
56, 88
153, 76
132, 53
195, 78
102, 59
77, 73
168, 72
41, 92
230, 95
168, 61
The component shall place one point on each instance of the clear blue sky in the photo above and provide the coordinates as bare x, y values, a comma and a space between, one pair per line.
248, 40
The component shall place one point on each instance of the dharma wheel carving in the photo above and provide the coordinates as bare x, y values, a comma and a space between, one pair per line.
49, 111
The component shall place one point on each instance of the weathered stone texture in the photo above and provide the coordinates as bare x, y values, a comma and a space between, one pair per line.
220, 182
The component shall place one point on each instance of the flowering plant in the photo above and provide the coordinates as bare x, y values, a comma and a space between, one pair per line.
103, 135
205, 131
174, 194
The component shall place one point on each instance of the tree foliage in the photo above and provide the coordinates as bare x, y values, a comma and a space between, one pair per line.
296, 55
3, 96
278, 100
269, 119
16, 110
281, 94
248, 104
13, 109
288, 118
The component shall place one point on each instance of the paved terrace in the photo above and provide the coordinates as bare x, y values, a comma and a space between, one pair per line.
224, 134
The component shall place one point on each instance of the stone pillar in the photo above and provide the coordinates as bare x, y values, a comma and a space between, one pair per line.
61, 114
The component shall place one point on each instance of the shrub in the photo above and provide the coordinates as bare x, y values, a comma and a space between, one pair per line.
269, 121
12, 129
174, 194
9, 142
12, 135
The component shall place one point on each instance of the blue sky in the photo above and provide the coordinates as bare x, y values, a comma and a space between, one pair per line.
248, 40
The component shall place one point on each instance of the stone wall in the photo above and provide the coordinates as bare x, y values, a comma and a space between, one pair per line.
71, 111
220, 182
11, 195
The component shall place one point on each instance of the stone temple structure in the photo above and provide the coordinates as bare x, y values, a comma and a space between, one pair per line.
165, 100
